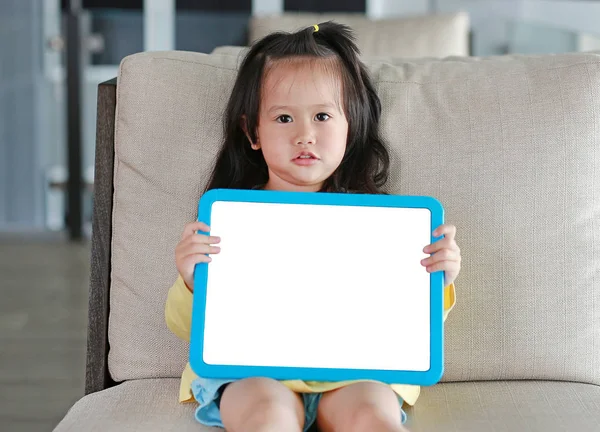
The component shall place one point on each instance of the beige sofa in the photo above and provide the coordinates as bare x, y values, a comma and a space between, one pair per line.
510, 145
413, 36
416, 37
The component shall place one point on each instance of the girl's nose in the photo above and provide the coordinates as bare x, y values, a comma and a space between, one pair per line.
305, 141
305, 136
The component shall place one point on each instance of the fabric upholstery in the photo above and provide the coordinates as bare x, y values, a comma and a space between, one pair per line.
509, 145
504, 406
416, 36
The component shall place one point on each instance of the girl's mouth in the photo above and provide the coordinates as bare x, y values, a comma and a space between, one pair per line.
305, 158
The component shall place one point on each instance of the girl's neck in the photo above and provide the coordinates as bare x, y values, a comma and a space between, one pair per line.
287, 187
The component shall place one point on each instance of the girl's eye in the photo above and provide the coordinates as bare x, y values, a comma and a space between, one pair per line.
284, 119
322, 117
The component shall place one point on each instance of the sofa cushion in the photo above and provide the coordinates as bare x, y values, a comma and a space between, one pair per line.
509, 145
167, 134
151, 405
140, 405
439, 35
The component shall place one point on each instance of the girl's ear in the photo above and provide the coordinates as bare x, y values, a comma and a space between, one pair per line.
254, 145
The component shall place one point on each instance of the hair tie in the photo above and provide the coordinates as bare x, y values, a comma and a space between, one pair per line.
316, 28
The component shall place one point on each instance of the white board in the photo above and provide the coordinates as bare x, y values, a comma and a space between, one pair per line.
314, 288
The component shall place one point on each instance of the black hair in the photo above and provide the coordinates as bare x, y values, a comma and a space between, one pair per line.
365, 165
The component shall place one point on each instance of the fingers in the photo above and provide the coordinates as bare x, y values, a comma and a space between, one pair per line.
198, 258
199, 248
198, 243
445, 243
452, 267
445, 253
195, 248
191, 229
442, 255
187, 249
445, 230
201, 238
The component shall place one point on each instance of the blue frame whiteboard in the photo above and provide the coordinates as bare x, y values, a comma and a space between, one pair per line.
318, 287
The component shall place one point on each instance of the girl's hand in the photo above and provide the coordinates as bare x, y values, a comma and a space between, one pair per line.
193, 249
446, 254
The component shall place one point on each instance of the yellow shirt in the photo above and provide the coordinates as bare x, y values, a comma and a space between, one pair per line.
178, 314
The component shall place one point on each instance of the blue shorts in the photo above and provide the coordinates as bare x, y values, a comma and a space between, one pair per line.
208, 392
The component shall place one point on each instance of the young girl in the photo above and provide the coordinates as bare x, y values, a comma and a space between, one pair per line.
303, 116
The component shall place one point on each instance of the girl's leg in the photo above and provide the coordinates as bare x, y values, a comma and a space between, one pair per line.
360, 407
261, 405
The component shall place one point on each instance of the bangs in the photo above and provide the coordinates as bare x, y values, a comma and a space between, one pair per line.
329, 67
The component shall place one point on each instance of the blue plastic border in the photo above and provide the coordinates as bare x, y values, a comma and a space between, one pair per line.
425, 378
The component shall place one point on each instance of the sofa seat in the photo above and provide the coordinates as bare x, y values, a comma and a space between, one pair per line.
151, 405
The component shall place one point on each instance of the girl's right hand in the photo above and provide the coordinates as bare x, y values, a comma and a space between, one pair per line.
193, 249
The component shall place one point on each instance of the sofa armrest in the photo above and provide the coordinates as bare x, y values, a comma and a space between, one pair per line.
97, 376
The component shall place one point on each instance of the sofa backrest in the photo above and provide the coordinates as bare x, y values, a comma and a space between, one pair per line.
415, 36
509, 145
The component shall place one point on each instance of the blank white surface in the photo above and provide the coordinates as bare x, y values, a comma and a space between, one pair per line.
318, 286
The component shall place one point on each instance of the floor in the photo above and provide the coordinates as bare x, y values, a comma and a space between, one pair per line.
43, 319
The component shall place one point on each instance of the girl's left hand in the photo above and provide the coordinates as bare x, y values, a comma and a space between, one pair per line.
446, 254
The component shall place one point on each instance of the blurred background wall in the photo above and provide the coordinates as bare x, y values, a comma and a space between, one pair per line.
34, 130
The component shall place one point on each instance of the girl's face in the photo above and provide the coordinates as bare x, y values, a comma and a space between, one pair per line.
302, 129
